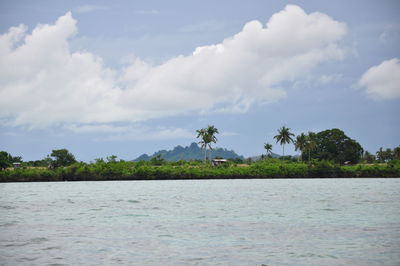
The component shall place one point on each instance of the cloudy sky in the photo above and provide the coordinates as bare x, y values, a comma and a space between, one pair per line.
124, 78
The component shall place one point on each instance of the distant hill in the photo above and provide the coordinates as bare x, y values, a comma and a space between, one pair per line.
192, 152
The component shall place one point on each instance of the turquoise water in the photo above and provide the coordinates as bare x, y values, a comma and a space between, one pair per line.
201, 222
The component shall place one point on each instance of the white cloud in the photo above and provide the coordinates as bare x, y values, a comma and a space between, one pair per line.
89, 8
43, 83
382, 82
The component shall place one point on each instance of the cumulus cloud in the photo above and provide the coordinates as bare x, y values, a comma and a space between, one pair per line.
43, 83
382, 82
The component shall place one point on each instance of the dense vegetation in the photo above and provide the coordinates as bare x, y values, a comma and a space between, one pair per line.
159, 169
329, 153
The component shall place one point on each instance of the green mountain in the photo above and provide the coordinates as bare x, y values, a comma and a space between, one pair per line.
192, 152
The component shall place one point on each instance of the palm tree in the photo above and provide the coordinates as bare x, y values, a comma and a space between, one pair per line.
207, 136
300, 144
268, 148
284, 137
310, 144
211, 131
201, 133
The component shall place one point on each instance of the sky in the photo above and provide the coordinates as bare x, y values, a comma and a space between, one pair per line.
124, 78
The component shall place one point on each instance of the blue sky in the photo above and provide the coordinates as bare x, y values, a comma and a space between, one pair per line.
124, 78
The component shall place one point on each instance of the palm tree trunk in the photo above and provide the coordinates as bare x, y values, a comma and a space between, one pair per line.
283, 151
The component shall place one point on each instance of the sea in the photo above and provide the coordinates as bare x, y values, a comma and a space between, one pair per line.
352, 221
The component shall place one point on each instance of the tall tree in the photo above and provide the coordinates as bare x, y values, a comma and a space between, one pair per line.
211, 131
300, 144
201, 133
207, 137
284, 137
268, 148
311, 144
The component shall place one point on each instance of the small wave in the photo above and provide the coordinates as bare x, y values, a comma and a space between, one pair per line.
369, 229
7, 207
137, 215
38, 240
330, 209
133, 201
28, 259
8, 223
15, 245
165, 236
51, 248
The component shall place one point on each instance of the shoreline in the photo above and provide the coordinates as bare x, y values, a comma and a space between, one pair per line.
118, 171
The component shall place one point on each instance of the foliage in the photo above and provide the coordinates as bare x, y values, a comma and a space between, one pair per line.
62, 157
368, 157
284, 137
207, 137
301, 143
6, 159
157, 160
268, 149
334, 145
388, 154
269, 168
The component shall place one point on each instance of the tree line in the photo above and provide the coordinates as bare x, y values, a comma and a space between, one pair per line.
330, 145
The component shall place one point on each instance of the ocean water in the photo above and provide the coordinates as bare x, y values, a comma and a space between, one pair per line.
201, 222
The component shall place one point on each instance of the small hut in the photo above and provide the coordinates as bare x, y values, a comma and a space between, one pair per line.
16, 165
217, 162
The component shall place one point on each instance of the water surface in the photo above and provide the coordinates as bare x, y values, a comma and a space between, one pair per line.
201, 222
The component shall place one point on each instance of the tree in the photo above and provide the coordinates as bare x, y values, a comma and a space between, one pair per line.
201, 133
396, 153
207, 136
284, 137
311, 144
112, 159
301, 143
4, 160
62, 158
334, 145
386, 155
7, 160
268, 148
380, 155
211, 131
368, 157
